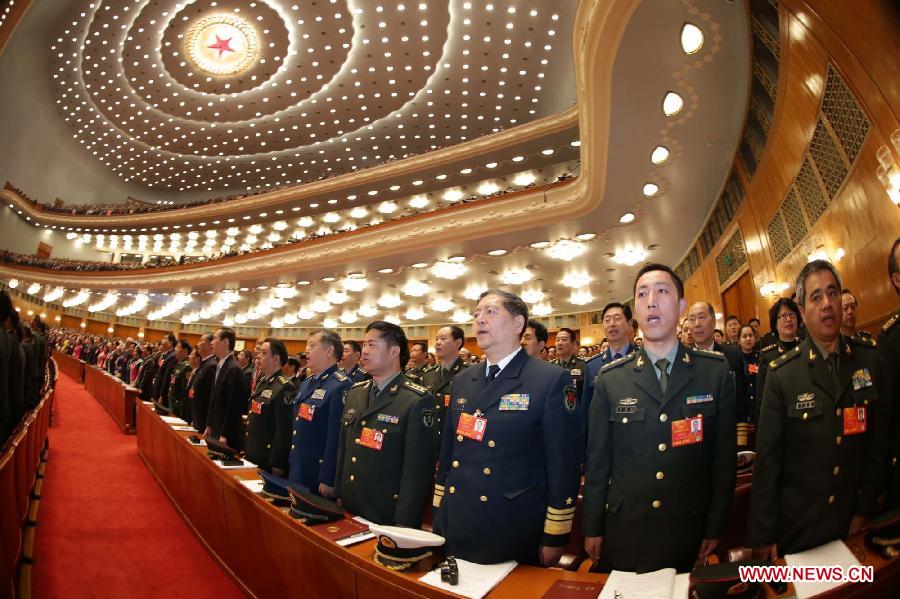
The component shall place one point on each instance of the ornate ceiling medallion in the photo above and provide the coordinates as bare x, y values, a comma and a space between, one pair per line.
222, 45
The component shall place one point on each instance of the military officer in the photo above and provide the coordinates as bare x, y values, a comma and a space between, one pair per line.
566, 344
179, 379
822, 431
661, 461
387, 448
418, 360
447, 343
784, 318
350, 361
317, 415
849, 306
269, 423
617, 328
534, 339
508, 475
889, 371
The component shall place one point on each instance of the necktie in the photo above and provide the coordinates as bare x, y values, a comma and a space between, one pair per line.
832, 362
663, 364
616, 357
493, 371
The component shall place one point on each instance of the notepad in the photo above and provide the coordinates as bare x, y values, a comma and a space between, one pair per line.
475, 580
661, 584
243, 464
183, 427
172, 420
834, 553
255, 485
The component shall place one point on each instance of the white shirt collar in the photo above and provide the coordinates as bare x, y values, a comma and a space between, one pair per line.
502, 363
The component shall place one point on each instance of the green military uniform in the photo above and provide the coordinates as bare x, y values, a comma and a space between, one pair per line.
889, 388
177, 389
387, 451
577, 368
269, 425
438, 380
767, 355
820, 446
417, 373
661, 465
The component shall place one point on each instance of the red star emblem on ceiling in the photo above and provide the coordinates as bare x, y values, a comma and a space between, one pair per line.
222, 45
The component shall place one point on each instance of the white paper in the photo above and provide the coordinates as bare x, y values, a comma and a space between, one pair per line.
183, 427
682, 586
254, 485
244, 464
834, 553
650, 585
475, 580
172, 420
365, 536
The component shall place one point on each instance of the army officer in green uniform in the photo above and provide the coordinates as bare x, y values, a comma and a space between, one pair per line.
822, 437
268, 440
447, 343
177, 381
388, 442
661, 449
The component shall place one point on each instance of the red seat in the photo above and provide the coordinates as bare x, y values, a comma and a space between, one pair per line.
10, 523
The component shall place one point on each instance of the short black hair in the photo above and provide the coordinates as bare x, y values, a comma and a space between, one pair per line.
6, 305
626, 309
354, 345
776, 308
173, 341
893, 267
279, 349
227, 333
185, 346
719, 331
851, 294
423, 345
732, 317
572, 336
810, 268
512, 303
294, 363
329, 337
392, 335
540, 331
746, 326
246, 353
654, 266
752, 320
458, 334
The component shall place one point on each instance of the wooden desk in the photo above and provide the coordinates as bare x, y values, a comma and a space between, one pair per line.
73, 367
114, 395
272, 555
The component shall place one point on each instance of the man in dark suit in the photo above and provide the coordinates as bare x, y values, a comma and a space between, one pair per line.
230, 393
7, 424
447, 343
822, 442
201, 387
508, 475
163, 375
661, 461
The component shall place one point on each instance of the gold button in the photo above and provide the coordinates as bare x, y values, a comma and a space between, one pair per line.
625, 420
456, 463
894, 462
663, 417
295, 433
491, 443
352, 478
396, 496
384, 430
487, 471
363, 423
292, 446
659, 475
483, 498
837, 470
837, 440
805, 416
297, 419
269, 446
657, 504
353, 459
459, 437
453, 489
837, 412
662, 446
865, 402
831, 499
357, 441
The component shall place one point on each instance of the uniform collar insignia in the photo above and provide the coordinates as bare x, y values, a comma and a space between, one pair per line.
628, 401
394, 388
640, 361
686, 359
847, 347
812, 354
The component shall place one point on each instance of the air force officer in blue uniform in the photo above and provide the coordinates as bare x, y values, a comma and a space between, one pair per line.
508, 475
317, 415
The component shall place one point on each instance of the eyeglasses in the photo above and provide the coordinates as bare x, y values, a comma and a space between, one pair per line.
787, 316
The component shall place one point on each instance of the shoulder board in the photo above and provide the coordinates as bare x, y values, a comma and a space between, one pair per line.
592, 358
785, 358
891, 322
769, 347
708, 353
362, 383
619, 362
340, 376
415, 387
281, 379
863, 341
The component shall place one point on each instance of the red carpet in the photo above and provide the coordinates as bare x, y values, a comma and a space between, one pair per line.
105, 528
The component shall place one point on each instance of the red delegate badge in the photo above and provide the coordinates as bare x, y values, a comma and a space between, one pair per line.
371, 438
446, 399
753, 368
256, 407
854, 420
471, 426
687, 431
307, 411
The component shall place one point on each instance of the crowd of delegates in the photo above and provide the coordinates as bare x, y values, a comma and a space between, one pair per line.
24, 365
653, 424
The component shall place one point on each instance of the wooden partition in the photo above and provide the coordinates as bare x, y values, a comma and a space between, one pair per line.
114, 395
73, 367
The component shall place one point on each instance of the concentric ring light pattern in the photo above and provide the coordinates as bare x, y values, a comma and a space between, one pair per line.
235, 95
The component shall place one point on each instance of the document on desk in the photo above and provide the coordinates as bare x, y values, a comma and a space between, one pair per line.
243, 464
172, 420
661, 584
834, 553
475, 580
254, 485
183, 427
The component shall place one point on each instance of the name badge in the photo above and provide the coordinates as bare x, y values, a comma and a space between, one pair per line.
514, 402
267, 393
695, 399
446, 399
318, 394
753, 368
688, 431
388, 418
371, 438
805, 401
307, 411
471, 426
862, 379
575, 372
855, 420
256, 407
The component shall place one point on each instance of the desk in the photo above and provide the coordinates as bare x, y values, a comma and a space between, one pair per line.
270, 554
114, 395
73, 367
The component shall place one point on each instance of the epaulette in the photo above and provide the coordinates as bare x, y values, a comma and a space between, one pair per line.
592, 358
362, 383
769, 347
863, 341
891, 322
282, 380
784, 358
619, 362
417, 388
340, 376
708, 353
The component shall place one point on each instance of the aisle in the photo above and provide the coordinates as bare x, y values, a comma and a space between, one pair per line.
105, 528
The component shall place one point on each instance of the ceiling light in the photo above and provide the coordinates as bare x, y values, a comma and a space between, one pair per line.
453, 195
524, 179
349, 317
54, 294
355, 284
630, 256
539, 245
416, 288
414, 313
385, 271
496, 252
330, 323
387, 207
420, 265
319, 305
367, 311
442, 304
461, 316
542, 310
660, 154
448, 270
305, 314
303, 222
336, 297
580, 298
566, 250
79, 299
418, 202
108, 300
547, 152
650, 189
389, 300
487, 188
359, 212
626, 218
279, 225
331, 217
515, 276
33, 288
532, 296
672, 104
276, 323
691, 38
13, 283
290, 318
285, 292
473, 292
585, 236
576, 280
255, 229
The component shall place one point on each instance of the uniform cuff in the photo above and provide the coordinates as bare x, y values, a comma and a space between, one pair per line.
438, 495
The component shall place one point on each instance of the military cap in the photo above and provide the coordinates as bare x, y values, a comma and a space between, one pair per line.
412, 549
310, 508
723, 580
884, 533
275, 488
216, 450
745, 461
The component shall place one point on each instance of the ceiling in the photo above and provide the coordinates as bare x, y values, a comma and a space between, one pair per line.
117, 98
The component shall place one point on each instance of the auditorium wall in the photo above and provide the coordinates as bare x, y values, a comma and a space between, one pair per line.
23, 238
